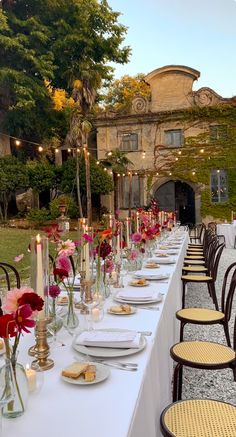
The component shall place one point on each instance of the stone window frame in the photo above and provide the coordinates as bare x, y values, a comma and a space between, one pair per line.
219, 186
172, 131
123, 190
218, 132
129, 132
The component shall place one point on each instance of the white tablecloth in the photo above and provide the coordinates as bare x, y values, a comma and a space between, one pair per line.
229, 232
127, 404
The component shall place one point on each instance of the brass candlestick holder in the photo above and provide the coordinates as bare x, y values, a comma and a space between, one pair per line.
87, 295
41, 349
80, 305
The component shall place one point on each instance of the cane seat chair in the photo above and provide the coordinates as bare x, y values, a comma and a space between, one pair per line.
209, 279
199, 231
199, 418
207, 355
206, 316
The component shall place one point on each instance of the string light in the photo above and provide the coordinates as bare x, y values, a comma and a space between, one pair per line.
123, 174
179, 152
88, 153
68, 150
40, 148
109, 153
170, 174
202, 151
56, 150
193, 173
97, 162
157, 174
78, 150
118, 175
105, 169
176, 159
18, 143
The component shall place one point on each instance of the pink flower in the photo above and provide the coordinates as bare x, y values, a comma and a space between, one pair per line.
88, 238
66, 248
77, 243
108, 266
64, 263
136, 237
132, 256
18, 257
10, 304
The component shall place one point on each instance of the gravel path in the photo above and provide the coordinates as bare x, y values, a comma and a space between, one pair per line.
218, 384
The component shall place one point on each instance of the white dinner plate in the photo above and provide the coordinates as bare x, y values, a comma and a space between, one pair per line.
151, 277
106, 352
102, 373
138, 302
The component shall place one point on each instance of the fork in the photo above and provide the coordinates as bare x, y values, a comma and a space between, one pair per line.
132, 367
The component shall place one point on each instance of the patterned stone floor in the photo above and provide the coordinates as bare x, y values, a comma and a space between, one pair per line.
210, 384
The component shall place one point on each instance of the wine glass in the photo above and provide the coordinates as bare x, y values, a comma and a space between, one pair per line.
124, 271
7, 386
92, 299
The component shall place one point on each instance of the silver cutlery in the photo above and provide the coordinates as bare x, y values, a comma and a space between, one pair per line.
149, 308
145, 333
132, 367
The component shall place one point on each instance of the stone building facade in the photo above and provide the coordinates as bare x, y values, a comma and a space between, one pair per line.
151, 133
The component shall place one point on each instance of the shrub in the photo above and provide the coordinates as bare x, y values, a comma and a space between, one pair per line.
71, 210
38, 217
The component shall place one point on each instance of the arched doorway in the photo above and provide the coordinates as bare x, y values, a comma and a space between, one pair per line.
177, 196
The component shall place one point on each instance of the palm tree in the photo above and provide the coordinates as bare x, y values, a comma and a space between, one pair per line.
118, 162
84, 96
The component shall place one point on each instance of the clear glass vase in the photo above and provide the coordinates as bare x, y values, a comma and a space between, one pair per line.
16, 407
71, 320
56, 324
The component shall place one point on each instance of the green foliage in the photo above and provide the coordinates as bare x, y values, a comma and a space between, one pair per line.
71, 207
13, 175
58, 41
42, 175
38, 217
117, 161
101, 181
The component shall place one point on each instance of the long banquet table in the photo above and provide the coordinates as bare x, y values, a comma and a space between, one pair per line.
229, 232
126, 404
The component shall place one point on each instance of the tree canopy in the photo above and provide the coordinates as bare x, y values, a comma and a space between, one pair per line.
58, 41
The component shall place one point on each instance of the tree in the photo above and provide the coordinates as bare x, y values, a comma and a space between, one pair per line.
42, 176
122, 91
118, 162
13, 176
57, 41
101, 181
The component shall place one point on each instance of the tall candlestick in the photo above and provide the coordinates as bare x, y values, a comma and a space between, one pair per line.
39, 271
127, 222
39, 274
137, 221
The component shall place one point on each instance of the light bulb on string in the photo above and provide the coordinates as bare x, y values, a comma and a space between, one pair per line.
78, 150
97, 162
56, 150
18, 143
109, 153
68, 150
179, 152
202, 151
40, 148
193, 173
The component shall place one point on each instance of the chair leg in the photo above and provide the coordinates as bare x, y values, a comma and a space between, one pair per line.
181, 336
183, 295
176, 382
226, 329
180, 382
213, 295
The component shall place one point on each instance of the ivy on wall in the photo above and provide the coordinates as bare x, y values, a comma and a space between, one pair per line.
202, 153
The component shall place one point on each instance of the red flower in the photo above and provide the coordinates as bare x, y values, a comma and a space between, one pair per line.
107, 233
33, 299
88, 238
62, 273
7, 326
53, 232
104, 249
23, 319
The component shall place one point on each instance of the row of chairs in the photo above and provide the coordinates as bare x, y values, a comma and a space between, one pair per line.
203, 417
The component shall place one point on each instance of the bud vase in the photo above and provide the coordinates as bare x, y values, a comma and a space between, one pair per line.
71, 320
16, 407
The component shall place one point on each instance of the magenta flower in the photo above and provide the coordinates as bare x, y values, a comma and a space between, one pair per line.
18, 257
64, 263
23, 318
77, 243
88, 238
54, 291
136, 237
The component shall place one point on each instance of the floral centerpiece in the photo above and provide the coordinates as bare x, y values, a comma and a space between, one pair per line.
66, 260
20, 308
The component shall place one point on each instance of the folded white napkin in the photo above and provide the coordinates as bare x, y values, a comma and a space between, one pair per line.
135, 295
112, 339
148, 275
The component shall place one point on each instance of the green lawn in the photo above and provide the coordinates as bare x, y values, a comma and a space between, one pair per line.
14, 242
